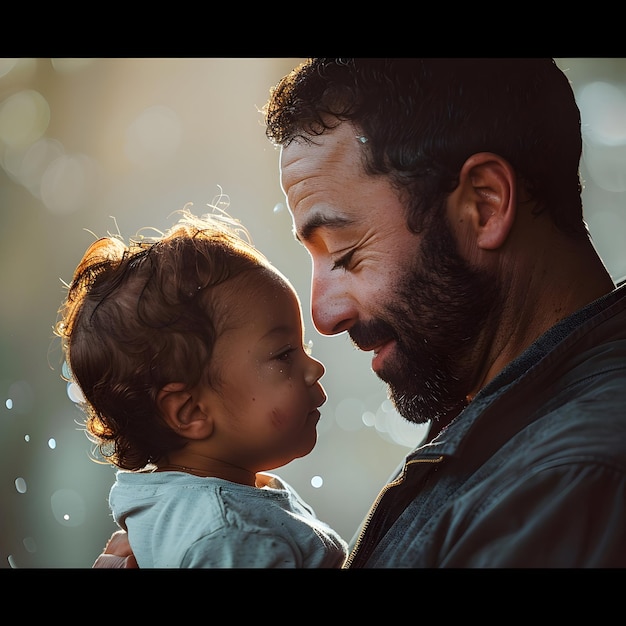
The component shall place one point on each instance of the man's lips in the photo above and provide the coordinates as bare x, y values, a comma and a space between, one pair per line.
381, 352
378, 338
370, 346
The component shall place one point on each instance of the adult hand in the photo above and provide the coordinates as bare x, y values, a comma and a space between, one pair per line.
117, 553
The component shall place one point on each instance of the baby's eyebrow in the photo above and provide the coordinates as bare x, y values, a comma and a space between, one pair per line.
278, 331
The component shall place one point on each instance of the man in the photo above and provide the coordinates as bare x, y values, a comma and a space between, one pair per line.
440, 202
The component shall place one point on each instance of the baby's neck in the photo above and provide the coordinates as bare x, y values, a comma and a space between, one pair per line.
199, 465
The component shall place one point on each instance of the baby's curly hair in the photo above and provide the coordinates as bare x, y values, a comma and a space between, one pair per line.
142, 315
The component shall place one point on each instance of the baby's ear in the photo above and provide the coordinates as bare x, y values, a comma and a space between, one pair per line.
182, 413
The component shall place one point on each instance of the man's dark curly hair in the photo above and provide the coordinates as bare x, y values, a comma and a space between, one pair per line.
424, 117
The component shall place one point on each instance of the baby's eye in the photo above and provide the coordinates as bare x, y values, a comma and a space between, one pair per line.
284, 355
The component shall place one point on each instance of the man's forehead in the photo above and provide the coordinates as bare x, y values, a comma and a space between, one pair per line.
338, 139
299, 151
303, 159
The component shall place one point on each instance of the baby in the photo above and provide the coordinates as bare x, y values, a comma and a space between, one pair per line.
189, 351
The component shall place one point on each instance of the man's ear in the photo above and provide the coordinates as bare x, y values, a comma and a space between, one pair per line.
181, 411
487, 190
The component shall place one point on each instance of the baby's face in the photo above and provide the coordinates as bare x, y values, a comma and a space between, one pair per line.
266, 402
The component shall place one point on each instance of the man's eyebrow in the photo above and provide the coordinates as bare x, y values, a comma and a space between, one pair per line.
317, 221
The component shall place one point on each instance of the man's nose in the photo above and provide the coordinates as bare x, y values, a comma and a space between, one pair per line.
333, 309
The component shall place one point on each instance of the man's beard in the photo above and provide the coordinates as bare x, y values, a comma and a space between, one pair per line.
436, 318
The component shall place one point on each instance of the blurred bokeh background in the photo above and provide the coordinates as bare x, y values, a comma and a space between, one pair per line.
90, 146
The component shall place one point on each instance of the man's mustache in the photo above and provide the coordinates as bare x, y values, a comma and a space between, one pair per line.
368, 335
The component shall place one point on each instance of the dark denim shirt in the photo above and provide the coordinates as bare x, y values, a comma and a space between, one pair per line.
531, 474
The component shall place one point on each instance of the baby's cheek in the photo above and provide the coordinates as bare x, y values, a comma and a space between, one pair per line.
276, 419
